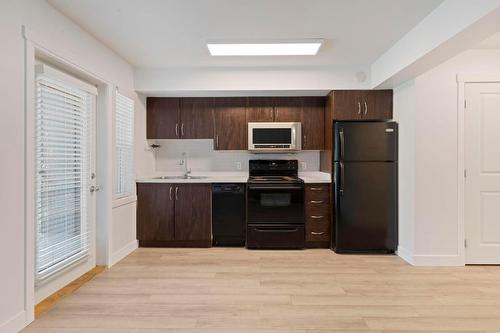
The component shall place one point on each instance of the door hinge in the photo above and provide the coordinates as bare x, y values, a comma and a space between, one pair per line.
465, 242
465, 104
465, 173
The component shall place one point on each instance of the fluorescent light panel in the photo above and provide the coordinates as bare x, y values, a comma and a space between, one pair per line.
278, 48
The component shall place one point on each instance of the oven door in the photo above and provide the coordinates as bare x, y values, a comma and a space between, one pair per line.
275, 203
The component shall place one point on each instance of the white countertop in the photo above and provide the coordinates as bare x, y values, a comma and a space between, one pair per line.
229, 177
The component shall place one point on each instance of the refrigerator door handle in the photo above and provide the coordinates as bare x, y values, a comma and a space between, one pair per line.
341, 185
341, 135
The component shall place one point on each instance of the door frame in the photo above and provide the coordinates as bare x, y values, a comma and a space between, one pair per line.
36, 46
462, 81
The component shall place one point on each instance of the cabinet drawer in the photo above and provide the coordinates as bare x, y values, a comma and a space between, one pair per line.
318, 232
318, 192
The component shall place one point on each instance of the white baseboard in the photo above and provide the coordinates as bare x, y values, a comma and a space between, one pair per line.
405, 254
123, 252
14, 324
438, 260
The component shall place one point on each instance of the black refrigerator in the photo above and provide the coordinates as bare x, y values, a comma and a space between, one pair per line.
365, 186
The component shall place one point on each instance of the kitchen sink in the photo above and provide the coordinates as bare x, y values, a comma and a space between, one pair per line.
180, 177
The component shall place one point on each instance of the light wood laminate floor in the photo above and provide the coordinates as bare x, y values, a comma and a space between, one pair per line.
237, 290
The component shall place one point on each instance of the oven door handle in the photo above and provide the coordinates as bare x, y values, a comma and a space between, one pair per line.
277, 229
275, 187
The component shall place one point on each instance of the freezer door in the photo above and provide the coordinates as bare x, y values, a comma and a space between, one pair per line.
365, 207
366, 141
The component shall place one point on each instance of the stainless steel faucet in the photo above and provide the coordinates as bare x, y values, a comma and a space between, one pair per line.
184, 161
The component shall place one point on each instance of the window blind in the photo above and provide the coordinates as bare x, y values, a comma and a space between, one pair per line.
124, 145
63, 127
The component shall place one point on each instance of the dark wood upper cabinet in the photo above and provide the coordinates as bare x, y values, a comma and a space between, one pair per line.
155, 212
162, 118
260, 109
362, 105
230, 123
197, 118
347, 105
287, 109
193, 211
377, 104
313, 119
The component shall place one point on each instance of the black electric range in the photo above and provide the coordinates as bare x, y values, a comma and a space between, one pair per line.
275, 205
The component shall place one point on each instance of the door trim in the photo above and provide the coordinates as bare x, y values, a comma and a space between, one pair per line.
462, 80
37, 46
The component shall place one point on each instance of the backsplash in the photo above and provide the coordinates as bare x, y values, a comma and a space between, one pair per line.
202, 157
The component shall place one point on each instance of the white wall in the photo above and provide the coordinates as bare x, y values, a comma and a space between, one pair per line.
202, 157
436, 232
185, 81
71, 42
404, 114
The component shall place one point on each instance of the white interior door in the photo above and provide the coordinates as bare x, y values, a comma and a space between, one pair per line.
482, 162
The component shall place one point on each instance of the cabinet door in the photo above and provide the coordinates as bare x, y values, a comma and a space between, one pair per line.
162, 117
197, 118
193, 212
155, 211
230, 124
260, 109
347, 105
313, 118
287, 109
377, 104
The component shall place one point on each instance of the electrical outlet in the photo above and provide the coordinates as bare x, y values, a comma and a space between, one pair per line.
303, 165
238, 165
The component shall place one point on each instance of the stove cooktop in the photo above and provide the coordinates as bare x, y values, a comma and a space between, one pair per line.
274, 179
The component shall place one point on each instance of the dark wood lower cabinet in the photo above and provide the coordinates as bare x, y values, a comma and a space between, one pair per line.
155, 212
318, 216
174, 215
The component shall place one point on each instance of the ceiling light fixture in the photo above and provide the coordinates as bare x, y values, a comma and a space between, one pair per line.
265, 48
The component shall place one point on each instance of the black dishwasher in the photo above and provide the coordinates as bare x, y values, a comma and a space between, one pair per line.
228, 214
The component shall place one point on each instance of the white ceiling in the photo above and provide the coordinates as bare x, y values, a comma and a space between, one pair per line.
172, 33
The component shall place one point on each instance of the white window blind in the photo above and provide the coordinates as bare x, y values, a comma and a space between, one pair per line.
124, 145
63, 127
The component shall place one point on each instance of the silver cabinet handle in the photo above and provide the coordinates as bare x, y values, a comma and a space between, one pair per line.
94, 188
176, 129
366, 108
176, 193
359, 107
317, 216
305, 140
317, 233
182, 129
170, 195
217, 141
316, 201
316, 189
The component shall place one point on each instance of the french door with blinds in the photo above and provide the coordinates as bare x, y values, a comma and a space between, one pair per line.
65, 171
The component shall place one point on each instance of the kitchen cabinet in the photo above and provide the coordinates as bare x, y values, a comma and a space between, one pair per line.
162, 118
180, 118
260, 109
230, 124
312, 119
287, 109
155, 212
377, 104
173, 214
362, 105
197, 118
317, 215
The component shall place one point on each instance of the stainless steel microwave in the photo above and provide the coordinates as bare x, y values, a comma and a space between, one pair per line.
274, 137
